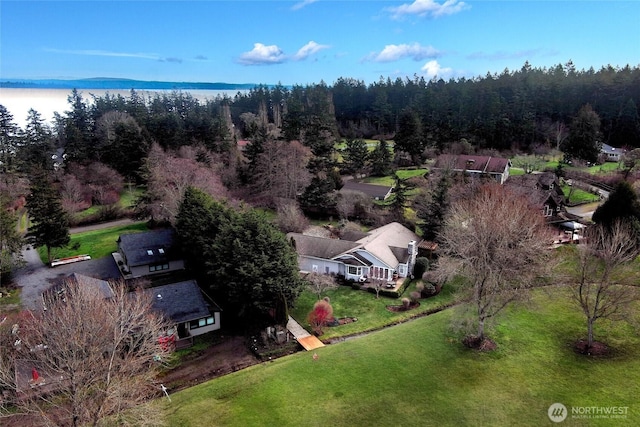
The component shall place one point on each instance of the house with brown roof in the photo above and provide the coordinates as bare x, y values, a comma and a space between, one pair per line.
379, 254
496, 168
545, 192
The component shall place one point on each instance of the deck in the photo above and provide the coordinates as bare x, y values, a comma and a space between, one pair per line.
306, 340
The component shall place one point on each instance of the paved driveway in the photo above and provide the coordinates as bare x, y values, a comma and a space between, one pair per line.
35, 277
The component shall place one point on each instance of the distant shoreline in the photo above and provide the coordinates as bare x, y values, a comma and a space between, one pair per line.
120, 84
48, 101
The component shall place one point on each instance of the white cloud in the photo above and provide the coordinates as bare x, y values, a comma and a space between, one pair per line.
309, 49
432, 69
428, 8
302, 4
394, 52
97, 52
262, 54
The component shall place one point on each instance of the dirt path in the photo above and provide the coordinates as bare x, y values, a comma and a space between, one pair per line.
228, 355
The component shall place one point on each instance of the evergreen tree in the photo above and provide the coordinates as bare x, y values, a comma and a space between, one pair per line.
432, 207
409, 136
355, 156
380, 159
37, 143
49, 222
11, 241
622, 204
583, 142
8, 140
251, 265
78, 129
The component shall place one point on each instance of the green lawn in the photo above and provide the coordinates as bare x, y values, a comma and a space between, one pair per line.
98, 244
127, 201
389, 180
578, 195
370, 312
418, 374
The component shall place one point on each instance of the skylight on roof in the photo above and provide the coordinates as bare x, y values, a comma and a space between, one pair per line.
149, 252
161, 251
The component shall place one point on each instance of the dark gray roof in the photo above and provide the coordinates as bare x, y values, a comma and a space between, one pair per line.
150, 247
180, 302
100, 286
320, 247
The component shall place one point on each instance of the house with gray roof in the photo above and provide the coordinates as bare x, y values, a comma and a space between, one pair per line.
148, 253
496, 168
379, 254
185, 306
611, 154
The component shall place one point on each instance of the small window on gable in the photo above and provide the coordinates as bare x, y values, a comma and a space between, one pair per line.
161, 251
149, 252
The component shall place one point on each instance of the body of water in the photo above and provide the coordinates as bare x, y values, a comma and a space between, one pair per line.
19, 101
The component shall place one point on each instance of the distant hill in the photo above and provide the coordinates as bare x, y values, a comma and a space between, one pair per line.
122, 84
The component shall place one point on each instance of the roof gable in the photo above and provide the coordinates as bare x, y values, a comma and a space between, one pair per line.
482, 164
150, 247
320, 247
180, 302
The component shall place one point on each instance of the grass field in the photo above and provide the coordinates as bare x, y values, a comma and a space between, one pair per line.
97, 244
418, 374
127, 200
578, 195
390, 179
370, 312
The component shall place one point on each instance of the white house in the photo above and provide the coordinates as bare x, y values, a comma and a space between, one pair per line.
612, 154
378, 254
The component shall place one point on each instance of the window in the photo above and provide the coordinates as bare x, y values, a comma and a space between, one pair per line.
357, 271
201, 323
547, 210
314, 268
158, 267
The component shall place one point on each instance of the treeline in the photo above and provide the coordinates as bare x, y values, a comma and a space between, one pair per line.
296, 129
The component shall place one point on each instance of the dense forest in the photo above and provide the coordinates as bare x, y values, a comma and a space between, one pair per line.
293, 133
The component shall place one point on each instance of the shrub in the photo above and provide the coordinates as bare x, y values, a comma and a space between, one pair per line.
415, 296
420, 286
429, 290
320, 315
422, 265
406, 303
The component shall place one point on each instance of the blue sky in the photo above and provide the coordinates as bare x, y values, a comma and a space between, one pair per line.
303, 42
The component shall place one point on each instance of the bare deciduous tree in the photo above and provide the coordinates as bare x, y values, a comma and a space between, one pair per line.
72, 194
320, 283
91, 355
499, 244
602, 274
281, 170
290, 217
168, 177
